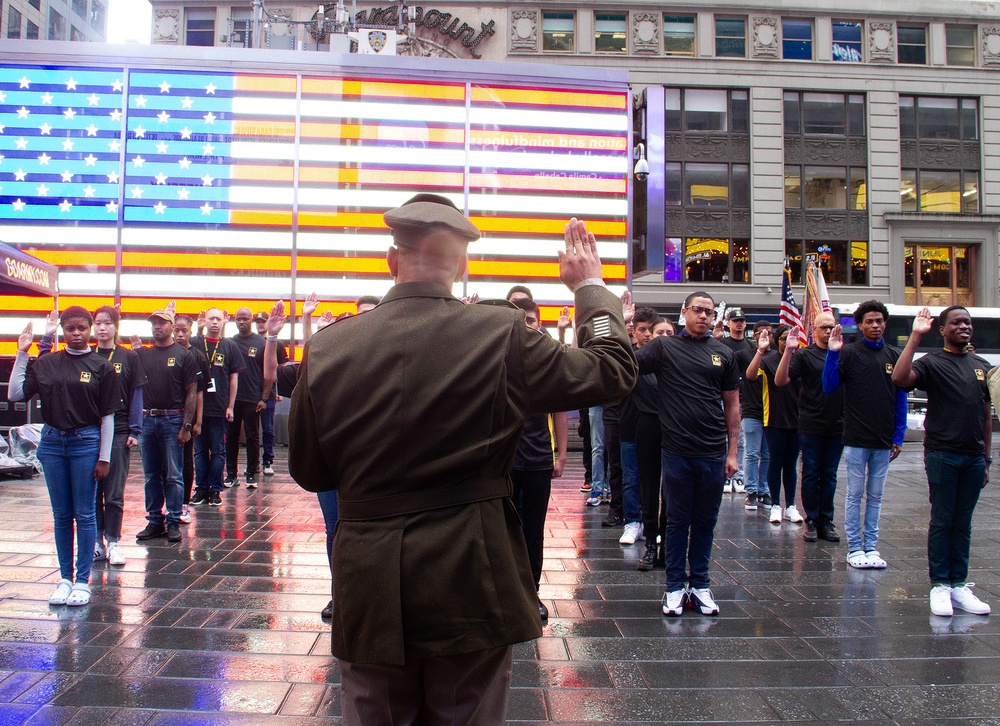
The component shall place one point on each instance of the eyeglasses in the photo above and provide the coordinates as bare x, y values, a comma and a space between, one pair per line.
825, 327
699, 310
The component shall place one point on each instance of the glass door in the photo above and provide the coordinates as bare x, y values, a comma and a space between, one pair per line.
939, 274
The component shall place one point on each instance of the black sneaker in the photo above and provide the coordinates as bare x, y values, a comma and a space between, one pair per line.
648, 560
231, 481
173, 532
810, 534
251, 481
764, 500
750, 503
199, 497
152, 531
214, 499
613, 520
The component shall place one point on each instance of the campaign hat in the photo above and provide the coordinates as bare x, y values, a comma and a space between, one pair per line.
425, 213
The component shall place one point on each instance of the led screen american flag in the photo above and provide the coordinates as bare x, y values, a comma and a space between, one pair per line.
213, 187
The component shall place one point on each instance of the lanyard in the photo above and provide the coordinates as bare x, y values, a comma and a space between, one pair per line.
211, 357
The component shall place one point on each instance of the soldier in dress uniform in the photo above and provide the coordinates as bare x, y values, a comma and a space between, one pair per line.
412, 412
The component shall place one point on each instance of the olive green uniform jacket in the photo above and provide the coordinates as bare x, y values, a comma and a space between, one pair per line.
412, 412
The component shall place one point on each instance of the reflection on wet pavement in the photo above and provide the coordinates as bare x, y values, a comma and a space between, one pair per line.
225, 629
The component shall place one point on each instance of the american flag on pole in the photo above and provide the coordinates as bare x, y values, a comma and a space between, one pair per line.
789, 314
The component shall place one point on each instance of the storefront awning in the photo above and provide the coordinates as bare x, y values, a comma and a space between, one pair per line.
22, 274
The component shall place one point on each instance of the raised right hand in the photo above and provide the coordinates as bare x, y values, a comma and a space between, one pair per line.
580, 261
26, 338
564, 320
923, 322
793, 339
276, 321
764, 341
836, 341
52, 323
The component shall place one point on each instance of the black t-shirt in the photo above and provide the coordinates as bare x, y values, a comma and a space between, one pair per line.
534, 450
781, 403
169, 371
204, 372
691, 375
252, 376
738, 346
130, 376
223, 358
956, 396
869, 394
820, 414
75, 390
287, 377
751, 392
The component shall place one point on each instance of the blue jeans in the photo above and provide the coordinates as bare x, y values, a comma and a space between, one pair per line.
630, 481
955, 481
866, 472
328, 505
820, 459
267, 432
162, 465
756, 457
68, 459
783, 445
598, 471
741, 445
210, 453
693, 491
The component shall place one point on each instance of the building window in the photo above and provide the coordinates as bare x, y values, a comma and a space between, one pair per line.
13, 23
939, 275
731, 37
961, 45
98, 16
939, 190
57, 26
796, 39
36, 4
911, 44
843, 262
824, 113
707, 109
609, 33
847, 41
711, 259
80, 8
935, 117
75, 34
678, 35
30, 30
825, 187
241, 27
558, 30
200, 27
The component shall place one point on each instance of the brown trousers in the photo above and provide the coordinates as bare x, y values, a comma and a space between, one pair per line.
457, 690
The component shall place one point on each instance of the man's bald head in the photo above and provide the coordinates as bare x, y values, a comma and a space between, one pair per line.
823, 325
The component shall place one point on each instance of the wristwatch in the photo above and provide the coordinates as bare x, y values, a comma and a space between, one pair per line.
989, 460
188, 427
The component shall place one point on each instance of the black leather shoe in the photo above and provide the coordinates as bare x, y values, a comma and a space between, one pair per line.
613, 520
828, 532
810, 534
543, 611
173, 532
648, 560
327, 612
152, 531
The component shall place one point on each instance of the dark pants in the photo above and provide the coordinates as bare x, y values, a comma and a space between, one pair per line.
209, 453
188, 469
820, 459
955, 481
470, 689
584, 431
267, 431
783, 447
328, 505
531, 497
111, 491
613, 453
244, 416
693, 490
647, 448
162, 466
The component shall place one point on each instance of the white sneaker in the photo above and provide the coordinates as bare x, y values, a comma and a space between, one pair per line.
702, 599
673, 602
115, 554
185, 514
61, 593
738, 486
632, 533
727, 488
875, 560
268, 470
792, 514
775, 514
963, 598
941, 600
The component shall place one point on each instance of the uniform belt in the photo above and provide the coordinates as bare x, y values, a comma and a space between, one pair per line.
162, 411
424, 500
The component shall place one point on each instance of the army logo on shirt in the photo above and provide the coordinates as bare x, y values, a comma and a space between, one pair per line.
888, 368
219, 359
252, 352
171, 362
118, 368
716, 360
84, 376
980, 374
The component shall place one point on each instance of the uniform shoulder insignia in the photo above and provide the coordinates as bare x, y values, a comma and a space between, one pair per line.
602, 325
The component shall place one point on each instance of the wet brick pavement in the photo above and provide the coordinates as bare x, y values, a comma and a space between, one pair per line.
225, 628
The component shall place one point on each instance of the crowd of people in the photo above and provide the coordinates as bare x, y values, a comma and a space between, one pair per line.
467, 428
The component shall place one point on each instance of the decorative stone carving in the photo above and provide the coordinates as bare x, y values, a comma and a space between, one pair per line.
765, 38
707, 224
708, 147
946, 154
826, 225
857, 151
825, 150
908, 153
645, 33
858, 225
882, 42
740, 225
794, 223
991, 45
524, 30
277, 27
167, 27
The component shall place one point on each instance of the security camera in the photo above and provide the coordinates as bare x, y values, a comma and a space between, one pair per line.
641, 169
